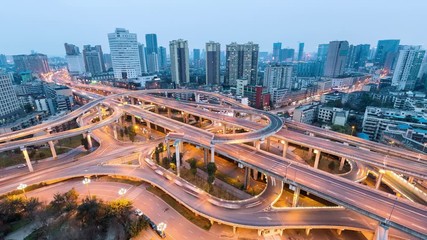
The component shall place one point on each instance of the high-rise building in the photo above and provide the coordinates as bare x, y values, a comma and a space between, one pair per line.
358, 55
336, 58
407, 68
9, 103
386, 54
75, 60
277, 76
124, 54
213, 50
322, 52
242, 63
276, 51
196, 57
36, 63
3, 60
142, 60
107, 61
300, 51
162, 58
287, 55
179, 61
152, 53
94, 59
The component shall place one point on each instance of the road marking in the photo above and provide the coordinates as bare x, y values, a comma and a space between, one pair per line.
418, 226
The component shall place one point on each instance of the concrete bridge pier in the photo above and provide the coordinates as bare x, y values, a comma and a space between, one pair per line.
381, 233
169, 113
224, 128
268, 145
178, 157
52, 149
212, 154
255, 174
339, 231
295, 199
234, 229
133, 120
257, 144
115, 131
317, 159
342, 163
285, 148
307, 231
89, 140
379, 178
99, 112
27, 158
310, 153
247, 174
411, 179
205, 156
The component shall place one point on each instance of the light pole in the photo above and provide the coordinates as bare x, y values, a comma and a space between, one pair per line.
122, 192
86, 182
352, 130
22, 187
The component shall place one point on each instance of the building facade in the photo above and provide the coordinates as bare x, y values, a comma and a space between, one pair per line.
241, 63
9, 103
179, 61
407, 68
35, 63
336, 58
213, 61
94, 59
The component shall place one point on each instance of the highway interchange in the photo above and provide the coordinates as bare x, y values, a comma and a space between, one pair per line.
398, 213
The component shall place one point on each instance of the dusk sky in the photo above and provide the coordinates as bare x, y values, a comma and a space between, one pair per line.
45, 25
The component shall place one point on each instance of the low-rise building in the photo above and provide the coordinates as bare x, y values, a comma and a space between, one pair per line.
332, 115
306, 113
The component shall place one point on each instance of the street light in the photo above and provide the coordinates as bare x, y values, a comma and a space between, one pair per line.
352, 130
22, 187
86, 182
122, 192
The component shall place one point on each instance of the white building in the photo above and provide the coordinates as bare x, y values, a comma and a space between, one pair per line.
240, 86
76, 64
180, 67
277, 76
9, 103
335, 116
306, 113
407, 68
124, 54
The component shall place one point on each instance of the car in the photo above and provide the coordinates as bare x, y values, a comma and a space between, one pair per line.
161, 233
21, 165
139, 212
152, 224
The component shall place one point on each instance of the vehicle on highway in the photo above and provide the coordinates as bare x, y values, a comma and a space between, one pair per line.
161, 233
139, 212
21, 165
152, 224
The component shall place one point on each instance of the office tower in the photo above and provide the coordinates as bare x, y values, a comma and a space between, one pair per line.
9, 103
300, 51
107, 61
407, 68
3, 60
124, 54
35, 63
196, 58
142, 61
71, 49
152, 53
242, 63
179, 61
358, 56
276, 51
386, 54
213, 51
336, 58
162, 58
277, 76
322, 52
287, 55
94, 59
75, 60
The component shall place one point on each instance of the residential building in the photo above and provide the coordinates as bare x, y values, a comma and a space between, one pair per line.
9, 104
240, 86
36, 63
358, 56
142, 60
94, 59
287, 55
258, 96
124, 54
242, 63
152, 52
196, 58
332, 115
277, 76
179, 61
213, 62
277, 47
162, 58
336, 58
306, 113
407, 68
300, 51
386, 53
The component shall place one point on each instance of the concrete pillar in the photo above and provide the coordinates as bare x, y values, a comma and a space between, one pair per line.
281, 232
132, 101
205, 157
339, 231
411, 179
250, 117
234, 129
178, 158
296, 197
257, 144
381, 233
379, 178
89, 140
156, 109
99, 113
212, 154
246, 180
310, 153
133, 120
224, 128
52, 149
169, 113
307, 231
148, 125
285, 148
27, 158
201, 121
342, 163
168, 149
255, 174
121, 120
317, 159
260, 232
234, 229
115, 132
268, 145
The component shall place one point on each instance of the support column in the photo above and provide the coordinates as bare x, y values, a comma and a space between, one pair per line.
89, 140
342, 163
379, 178
381, 233
339, 231
246, 180
296, 197
168, 149
27, 158
205, 157
99, 113
285, 148
255, 174
115, 131
317, 159
148, 124
224, 128
169, 113
178, 157
257, 144
411, 179
212, 154
310, 153
234, 229
307, 231
234, 129
52, 149
156, 109
133, 120
268, 145
132, 101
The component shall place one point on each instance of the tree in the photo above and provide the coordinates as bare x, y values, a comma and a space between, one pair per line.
193, 166
120, 210
32, 153
137, 226
131, 133
166, 162
91, 211
126, 131
42, 155
211, 172
31, 207
157, 155
331, 165
122, 133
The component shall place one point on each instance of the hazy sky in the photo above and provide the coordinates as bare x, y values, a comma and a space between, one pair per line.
44, 25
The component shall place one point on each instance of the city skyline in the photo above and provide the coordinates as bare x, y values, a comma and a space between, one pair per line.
270, 26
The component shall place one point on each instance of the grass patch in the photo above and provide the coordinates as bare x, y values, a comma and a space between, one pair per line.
27, 189
199, 221
121, 180
71, 142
